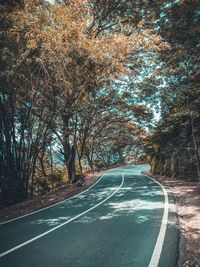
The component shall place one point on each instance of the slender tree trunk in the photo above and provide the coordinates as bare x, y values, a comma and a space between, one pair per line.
71, 164
136, 156
69, 150
32, 185
79, 155
196, 149
51, 158
80, 166
42, 166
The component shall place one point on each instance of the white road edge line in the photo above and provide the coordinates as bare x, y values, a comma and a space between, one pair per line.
65, 200
155, 258
59, 226
53, 205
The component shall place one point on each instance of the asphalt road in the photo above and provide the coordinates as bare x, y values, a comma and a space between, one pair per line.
125, 219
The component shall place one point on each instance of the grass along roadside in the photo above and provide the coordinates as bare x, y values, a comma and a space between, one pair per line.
187, 195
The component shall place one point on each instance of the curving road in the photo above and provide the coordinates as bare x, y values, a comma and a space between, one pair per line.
125, 219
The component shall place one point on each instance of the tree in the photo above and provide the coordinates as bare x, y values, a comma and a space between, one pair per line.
62, 65
22, 135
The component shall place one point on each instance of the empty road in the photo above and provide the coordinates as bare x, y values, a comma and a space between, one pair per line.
124, 219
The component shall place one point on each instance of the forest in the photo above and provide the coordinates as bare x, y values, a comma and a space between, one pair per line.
89, 84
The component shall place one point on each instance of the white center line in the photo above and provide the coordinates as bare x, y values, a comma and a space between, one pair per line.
59, 226
58, 203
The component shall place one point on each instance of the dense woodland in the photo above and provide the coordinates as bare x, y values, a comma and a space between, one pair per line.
81, 82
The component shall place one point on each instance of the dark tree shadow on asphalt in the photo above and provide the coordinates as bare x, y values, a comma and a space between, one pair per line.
141, 201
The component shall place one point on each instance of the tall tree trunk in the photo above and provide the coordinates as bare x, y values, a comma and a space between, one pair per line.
79, 155
80, 166
51, 160
196, 149
71, 164
69, 150
70, 155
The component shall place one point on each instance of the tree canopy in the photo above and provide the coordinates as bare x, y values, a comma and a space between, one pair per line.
81, 81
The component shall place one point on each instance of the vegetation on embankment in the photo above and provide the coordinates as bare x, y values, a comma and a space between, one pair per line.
54, 196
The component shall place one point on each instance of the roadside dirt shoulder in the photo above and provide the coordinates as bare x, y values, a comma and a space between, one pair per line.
51, 198
187, 195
